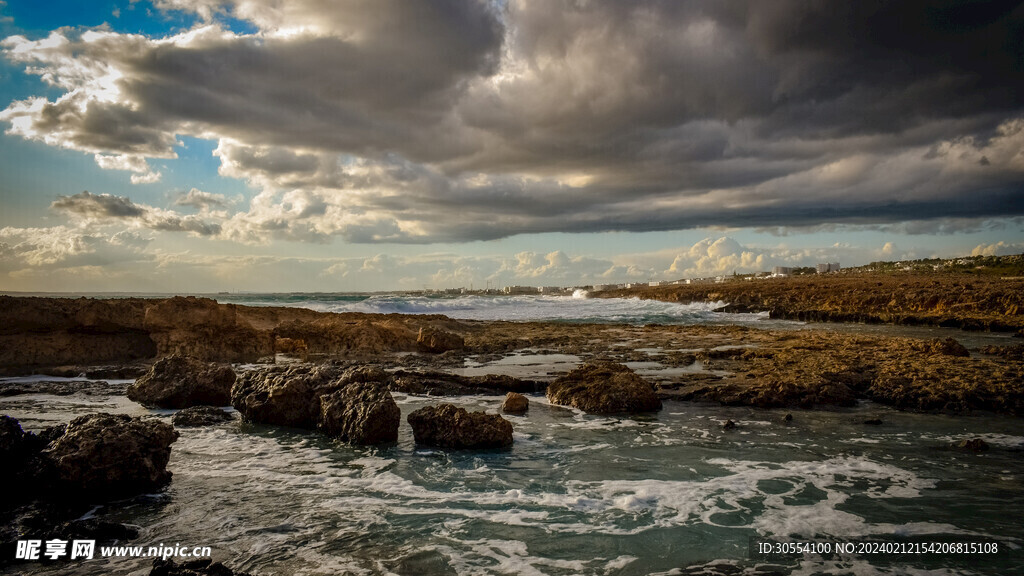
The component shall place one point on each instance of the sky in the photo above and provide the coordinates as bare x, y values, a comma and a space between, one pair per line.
364, 145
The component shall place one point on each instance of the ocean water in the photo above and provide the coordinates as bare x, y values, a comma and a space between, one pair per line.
576, 308
577, 494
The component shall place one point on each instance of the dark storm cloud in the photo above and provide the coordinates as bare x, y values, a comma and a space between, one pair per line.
98, 206
427, 121
106, 208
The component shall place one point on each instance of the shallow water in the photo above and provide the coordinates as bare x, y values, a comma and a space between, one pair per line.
576, 494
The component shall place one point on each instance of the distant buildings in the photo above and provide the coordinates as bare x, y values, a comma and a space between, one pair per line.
828, 267
783, 271
520, 290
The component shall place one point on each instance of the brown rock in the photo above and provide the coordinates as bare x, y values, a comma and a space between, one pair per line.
200, 416
974, 445
281, 396
360, 413
515, 403
181, 381
605, 388
204, 329
437, 341
448, 426
111, 455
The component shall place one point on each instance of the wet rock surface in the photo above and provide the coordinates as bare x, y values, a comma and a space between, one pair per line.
604, 388
360, 413
515, 403
182, 381
283, 396
112, 455
449, 426
195, 416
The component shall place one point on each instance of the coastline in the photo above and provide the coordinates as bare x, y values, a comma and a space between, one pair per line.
731, 365
947, 300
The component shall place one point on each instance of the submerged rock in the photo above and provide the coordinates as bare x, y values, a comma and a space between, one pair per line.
182, 381
200, 416
437, 341
974, 445
112, 455
729, 425
605, 388
449, 426
515, 403
360, 413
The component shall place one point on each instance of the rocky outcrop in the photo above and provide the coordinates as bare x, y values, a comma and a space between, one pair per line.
108, 455
968, 302
204, 329
604, 388
437, 341
449, 426
352, 404
182, 381
360, 413
200, 416
205, 567
281, 396
515, 403
944, 347
973, 445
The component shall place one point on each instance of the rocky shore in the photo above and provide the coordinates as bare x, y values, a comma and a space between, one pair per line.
336, 375
968, 302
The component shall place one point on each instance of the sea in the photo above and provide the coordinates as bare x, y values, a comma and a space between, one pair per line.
671, 493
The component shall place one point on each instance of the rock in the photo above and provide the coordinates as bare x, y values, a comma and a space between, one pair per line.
515, 403
444, 384
787, 418
437, 341
448, 426
360, 413
204, 329
873, 422
110, 455
181, 381
200, 416
605, 388
204, 567
945, 347
285, 397
974, 445
729, 425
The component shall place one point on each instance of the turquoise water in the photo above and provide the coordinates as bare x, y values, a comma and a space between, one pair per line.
576, 494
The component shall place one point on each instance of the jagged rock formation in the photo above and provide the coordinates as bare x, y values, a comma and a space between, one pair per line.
360, 413
437, 341
448, 426
108, 455
604, 388
182, 381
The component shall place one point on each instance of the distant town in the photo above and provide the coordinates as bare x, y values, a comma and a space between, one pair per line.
1005, 266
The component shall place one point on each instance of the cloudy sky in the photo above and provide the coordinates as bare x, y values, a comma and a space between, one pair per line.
207, 145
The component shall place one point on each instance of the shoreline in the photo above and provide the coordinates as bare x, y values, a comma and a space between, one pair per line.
727, 364
966, 302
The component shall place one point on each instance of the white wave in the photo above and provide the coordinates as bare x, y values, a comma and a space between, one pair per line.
535, 308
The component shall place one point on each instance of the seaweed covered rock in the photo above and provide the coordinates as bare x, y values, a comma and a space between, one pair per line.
449, 426
604, 388
182, 381
360, 413
112, 455
200, 416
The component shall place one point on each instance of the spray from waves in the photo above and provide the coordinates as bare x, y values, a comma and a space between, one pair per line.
575, 308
